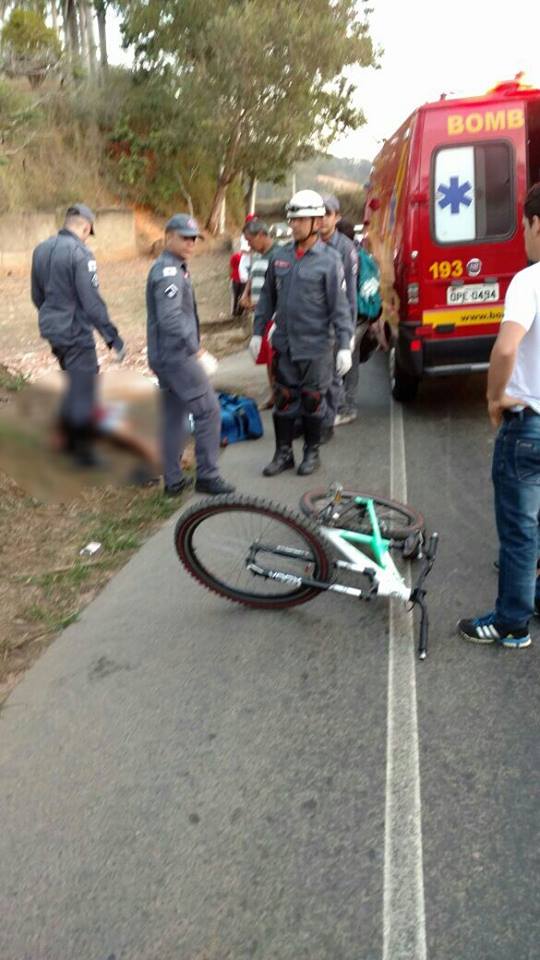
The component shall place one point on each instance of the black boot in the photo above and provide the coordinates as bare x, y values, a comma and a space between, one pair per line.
82, 449
312, 433
283, 458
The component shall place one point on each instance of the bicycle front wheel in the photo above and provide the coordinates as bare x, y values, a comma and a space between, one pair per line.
397, 521
217, 538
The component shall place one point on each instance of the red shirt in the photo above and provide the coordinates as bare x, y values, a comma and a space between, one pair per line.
234, 265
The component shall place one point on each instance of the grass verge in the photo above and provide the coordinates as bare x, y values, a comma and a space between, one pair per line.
11, 381
46, 582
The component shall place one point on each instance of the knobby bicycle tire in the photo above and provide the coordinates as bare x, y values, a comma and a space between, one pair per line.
305, 531
405, 523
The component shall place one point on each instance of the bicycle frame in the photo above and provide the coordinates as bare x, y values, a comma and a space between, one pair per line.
385, 578
380, 568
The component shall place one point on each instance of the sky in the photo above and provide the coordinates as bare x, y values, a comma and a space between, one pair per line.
430, 47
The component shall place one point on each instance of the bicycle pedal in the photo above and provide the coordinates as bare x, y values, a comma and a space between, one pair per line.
335, 491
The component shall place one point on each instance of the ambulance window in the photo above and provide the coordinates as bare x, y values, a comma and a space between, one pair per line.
473, 193
493, 190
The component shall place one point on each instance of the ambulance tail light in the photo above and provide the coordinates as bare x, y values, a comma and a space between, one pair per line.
413, 293
416, 346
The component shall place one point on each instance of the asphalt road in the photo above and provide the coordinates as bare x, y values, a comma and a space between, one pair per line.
184, 779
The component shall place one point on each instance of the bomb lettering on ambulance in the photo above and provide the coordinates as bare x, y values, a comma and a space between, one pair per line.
492, 121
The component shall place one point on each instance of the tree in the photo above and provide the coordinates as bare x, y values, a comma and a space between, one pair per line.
29, 47
100, 7
260, 84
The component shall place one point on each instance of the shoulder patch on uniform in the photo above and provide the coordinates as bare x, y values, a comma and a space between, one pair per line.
281, 263
92, 266
171, 290
169, 271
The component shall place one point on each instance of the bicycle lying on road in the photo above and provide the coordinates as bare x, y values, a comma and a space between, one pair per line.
268, 557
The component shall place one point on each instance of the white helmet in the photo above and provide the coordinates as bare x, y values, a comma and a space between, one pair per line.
305, 203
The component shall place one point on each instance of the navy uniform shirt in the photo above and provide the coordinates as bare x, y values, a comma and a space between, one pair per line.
65, 290
307, 299
349, 258
172, 319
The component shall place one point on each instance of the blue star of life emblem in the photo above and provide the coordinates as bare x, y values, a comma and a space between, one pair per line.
454, 195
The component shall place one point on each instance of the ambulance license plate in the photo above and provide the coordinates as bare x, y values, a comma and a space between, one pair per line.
473, 293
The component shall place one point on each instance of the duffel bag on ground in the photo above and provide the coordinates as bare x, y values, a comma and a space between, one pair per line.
240, 419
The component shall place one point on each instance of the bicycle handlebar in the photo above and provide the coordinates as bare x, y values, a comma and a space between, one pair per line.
418, 594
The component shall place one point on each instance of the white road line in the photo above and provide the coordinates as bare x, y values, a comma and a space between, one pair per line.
404, 923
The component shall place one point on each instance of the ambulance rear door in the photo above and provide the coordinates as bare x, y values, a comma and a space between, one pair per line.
471, 234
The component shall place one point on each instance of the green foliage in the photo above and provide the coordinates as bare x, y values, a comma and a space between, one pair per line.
260, 84
222, 91
29, 47
15, 382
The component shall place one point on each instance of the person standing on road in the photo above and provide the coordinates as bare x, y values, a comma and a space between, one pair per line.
263, 246
304, 293
513, 395
341, 398
65, 290
173, 352
239, 272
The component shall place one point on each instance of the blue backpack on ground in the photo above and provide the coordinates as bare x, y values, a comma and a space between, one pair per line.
240, 419
369, 287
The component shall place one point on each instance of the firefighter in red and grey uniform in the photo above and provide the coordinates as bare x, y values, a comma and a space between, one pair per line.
305, 294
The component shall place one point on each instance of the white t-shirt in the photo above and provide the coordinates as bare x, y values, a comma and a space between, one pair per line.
243, 267
522, 305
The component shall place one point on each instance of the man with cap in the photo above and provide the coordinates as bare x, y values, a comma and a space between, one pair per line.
341, 395
65, 290
304, 292
173, 351
263, 247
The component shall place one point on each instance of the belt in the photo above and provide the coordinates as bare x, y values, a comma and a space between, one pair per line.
520, 414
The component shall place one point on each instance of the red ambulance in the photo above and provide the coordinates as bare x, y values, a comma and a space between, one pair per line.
444, 211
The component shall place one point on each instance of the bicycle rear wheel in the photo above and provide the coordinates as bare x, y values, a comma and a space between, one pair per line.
397, 521
216, 538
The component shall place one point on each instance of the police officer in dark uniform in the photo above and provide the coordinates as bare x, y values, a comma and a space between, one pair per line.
65, 290
337, 409
173, 350
304, 292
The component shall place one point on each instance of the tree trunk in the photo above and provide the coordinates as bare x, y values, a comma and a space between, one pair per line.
213, 222
186, 194
54, 16
102, 30
91, 40
251, 194
83, 33
71, 29
226, 176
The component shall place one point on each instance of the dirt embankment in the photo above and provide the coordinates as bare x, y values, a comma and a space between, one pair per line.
122, 285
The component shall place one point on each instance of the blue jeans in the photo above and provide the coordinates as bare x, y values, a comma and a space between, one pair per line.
516, 480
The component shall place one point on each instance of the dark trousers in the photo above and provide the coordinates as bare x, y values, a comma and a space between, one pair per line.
334, 399
237, 290
176, 407
516, 481
79, 398
301, 386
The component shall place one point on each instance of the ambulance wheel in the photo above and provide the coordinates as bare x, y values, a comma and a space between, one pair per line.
404, 386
